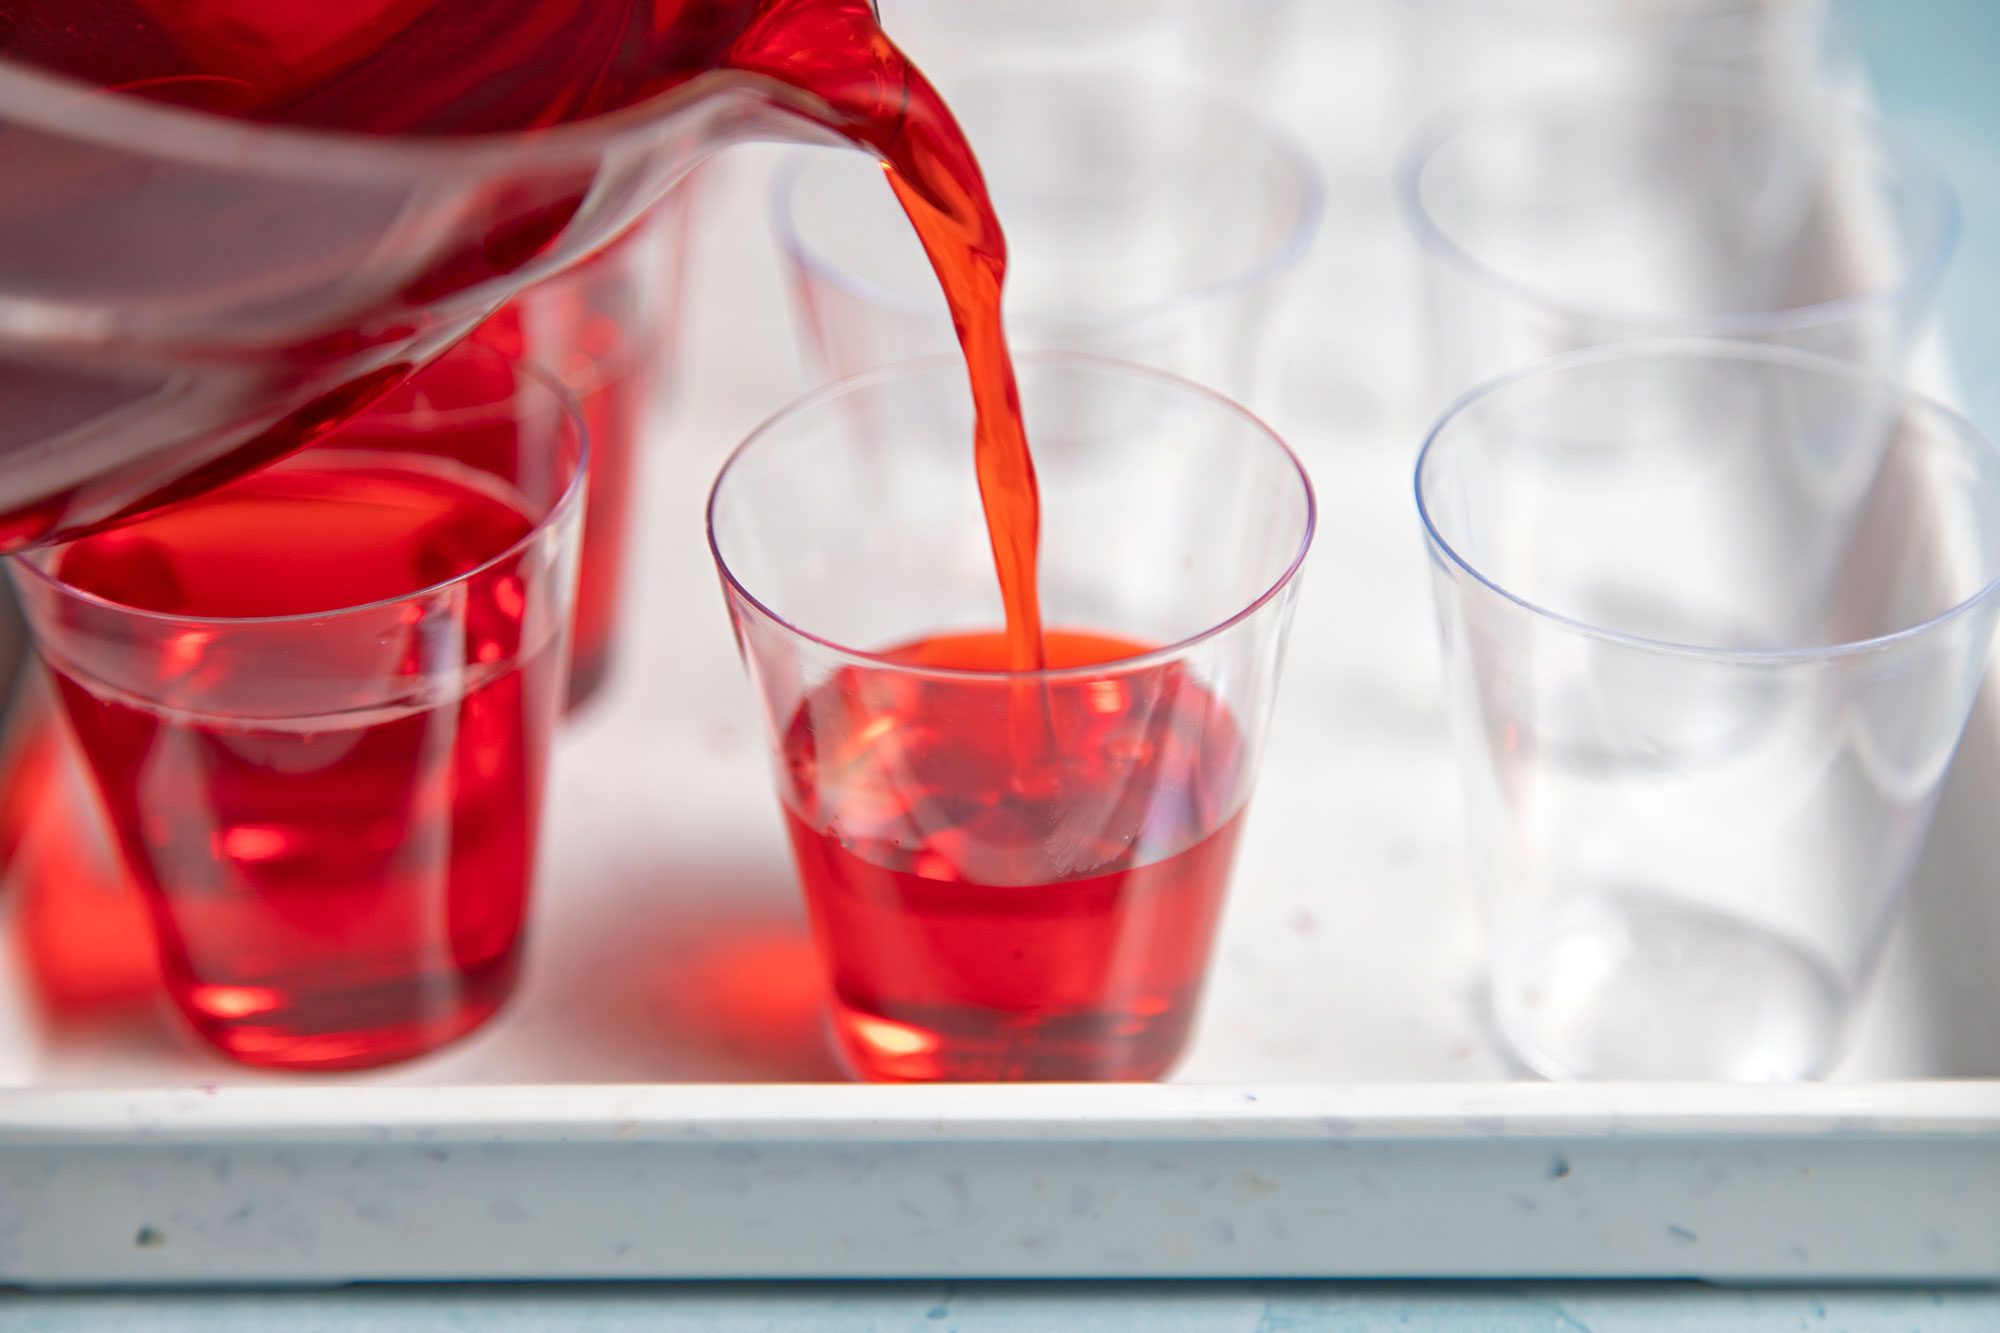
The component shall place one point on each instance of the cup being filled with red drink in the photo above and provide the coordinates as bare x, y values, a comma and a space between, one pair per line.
1013, 873
317, 705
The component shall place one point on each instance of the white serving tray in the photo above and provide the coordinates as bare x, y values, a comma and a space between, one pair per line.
658, 1101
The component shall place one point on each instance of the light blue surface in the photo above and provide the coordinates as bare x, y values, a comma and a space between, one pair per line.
988, 1307
1936, 69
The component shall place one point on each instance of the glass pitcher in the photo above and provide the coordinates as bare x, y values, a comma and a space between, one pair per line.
184, 296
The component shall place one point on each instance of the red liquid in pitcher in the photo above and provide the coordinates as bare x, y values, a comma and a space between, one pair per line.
470, 67
349, 889
986, 916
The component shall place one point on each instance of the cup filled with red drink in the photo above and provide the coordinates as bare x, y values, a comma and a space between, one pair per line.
607, 328
317, 704
1013, 873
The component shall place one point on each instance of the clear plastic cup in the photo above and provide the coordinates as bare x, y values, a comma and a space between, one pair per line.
1714, 616
332, 811
1236, 45
1462, 48
1013, 875
1555, 222
1147, 219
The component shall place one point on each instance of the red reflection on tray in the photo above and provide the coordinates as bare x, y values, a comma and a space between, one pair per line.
83, 931
748, 1001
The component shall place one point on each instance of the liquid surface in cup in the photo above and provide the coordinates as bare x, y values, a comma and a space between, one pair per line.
1002, 903
466, 67
346, 887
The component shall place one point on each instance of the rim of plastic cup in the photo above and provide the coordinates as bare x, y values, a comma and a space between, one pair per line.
1715, 89
922, 366
1249, 126
41, 561
1712, 349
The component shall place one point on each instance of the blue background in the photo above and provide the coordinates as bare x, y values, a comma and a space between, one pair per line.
1935, 65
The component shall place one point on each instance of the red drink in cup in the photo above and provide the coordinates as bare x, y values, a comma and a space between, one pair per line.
1013, 874
964, 942
317, 705
608, 330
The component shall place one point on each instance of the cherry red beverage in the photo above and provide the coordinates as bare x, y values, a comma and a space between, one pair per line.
613, 404
85, 941
990, 912
596, 359
607, 328
332, 886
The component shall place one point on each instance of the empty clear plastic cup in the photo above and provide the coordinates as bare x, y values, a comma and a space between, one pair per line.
1713, 616
1558, 222
1147, 219
1234, 44
1459, 48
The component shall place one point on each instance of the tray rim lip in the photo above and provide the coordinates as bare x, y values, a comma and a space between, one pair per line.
1124, 1115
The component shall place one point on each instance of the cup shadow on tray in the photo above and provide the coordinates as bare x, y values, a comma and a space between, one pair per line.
682, 973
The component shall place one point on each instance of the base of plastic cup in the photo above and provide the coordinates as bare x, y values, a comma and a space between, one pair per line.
1641, 986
